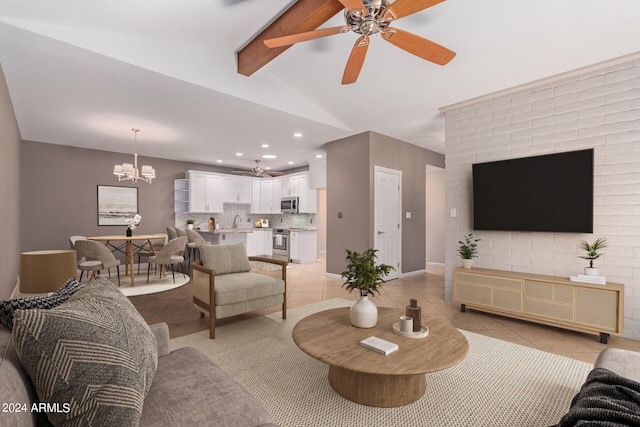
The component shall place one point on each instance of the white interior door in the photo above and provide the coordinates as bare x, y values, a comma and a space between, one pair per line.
387, 224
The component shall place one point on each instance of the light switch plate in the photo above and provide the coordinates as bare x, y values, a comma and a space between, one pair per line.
453, 212
407, 215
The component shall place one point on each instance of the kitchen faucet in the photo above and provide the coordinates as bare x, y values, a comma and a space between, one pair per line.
235, 221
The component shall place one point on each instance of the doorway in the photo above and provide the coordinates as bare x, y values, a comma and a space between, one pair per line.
387, 226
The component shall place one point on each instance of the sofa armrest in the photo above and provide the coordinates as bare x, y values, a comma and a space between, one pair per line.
161, 331
625, 363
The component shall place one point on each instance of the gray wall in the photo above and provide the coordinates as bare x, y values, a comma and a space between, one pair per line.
350, 177
9, 192
60, 198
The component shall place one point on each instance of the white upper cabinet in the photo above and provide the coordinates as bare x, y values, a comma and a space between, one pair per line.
237, 189
307, 197
262, 196
276, 192
205, 192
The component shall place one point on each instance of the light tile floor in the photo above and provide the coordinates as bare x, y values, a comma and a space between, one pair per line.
307, 284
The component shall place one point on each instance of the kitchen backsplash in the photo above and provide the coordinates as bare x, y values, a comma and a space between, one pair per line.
247, 218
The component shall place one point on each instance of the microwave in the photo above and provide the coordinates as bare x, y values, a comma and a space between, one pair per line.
289, 205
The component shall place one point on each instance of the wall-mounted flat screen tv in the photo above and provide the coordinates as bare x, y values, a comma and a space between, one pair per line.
552, 192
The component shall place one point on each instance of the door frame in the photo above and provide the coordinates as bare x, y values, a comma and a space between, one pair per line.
377, 169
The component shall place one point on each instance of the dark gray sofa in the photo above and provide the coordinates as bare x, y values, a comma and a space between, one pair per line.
187, 389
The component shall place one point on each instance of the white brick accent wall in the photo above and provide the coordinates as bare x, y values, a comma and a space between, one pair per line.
598, 108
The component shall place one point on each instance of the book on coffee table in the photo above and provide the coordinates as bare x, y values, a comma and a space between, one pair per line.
378, 344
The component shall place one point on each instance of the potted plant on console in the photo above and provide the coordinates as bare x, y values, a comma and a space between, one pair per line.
592, 254
190, 223
363, 274
468, 250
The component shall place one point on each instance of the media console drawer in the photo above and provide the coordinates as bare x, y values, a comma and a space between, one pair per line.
555, 301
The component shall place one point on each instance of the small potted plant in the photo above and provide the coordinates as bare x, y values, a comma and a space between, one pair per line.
468, 250
592, 254
190, 223
364, 275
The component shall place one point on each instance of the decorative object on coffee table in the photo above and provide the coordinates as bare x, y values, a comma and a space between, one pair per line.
415, 312
592, 254
468, 250
363, 274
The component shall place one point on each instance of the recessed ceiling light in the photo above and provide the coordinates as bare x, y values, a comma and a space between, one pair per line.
297, 135
267, 168
265, 145
269, 156
219, 161
318, 156
289, 163
239, 154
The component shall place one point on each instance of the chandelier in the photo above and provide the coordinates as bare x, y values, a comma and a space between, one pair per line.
129, 172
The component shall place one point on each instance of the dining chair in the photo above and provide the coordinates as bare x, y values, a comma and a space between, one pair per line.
146, 251
171, 232
193, 247
97, 257
170, 254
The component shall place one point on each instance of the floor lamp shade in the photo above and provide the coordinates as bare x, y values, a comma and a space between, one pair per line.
46, 271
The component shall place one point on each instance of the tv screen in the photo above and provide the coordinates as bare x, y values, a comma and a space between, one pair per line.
552, 192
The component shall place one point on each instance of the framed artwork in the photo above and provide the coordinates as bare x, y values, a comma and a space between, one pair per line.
116, 204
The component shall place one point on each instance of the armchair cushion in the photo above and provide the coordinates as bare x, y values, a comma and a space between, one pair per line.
240, 287
94, 353
225, 259
8, 307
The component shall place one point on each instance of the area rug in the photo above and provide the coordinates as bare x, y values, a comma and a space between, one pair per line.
498, 384
155, 285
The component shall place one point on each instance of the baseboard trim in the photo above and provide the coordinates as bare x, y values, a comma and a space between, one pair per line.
412, 273
436, 264
333, 276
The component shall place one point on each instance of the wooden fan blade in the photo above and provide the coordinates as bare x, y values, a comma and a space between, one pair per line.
354, 5
402, 8
356, 60
303, 37
422, 48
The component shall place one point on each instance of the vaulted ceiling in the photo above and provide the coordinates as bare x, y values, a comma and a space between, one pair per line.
84, 73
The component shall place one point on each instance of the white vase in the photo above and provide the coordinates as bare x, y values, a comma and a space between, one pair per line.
467, 263
590, 271
364, 313
190, 226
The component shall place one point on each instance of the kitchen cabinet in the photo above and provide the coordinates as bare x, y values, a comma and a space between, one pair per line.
263, 242
261, 196
237, 190
205, 192
291, 185
251, 244
276, 192
306, 196
303, 246
181, 195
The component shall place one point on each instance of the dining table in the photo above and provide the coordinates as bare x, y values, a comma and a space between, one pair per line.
131, 247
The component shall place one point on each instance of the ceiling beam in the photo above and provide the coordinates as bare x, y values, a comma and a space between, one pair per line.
304, 15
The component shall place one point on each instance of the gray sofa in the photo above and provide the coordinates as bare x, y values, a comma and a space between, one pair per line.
611, 393
187, 389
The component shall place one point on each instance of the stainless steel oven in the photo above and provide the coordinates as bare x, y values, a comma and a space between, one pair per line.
281, 244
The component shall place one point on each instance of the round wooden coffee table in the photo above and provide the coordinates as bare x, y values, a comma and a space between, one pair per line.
371, 378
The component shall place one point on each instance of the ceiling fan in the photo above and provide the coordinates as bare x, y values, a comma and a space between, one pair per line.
258, 171
369, 17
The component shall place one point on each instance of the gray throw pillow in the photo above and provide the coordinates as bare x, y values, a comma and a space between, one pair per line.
8, 307
92, 358
225, 259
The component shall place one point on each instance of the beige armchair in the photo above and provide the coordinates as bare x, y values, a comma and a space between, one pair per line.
224, 286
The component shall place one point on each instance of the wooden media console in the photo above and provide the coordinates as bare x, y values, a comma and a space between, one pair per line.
550, 300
